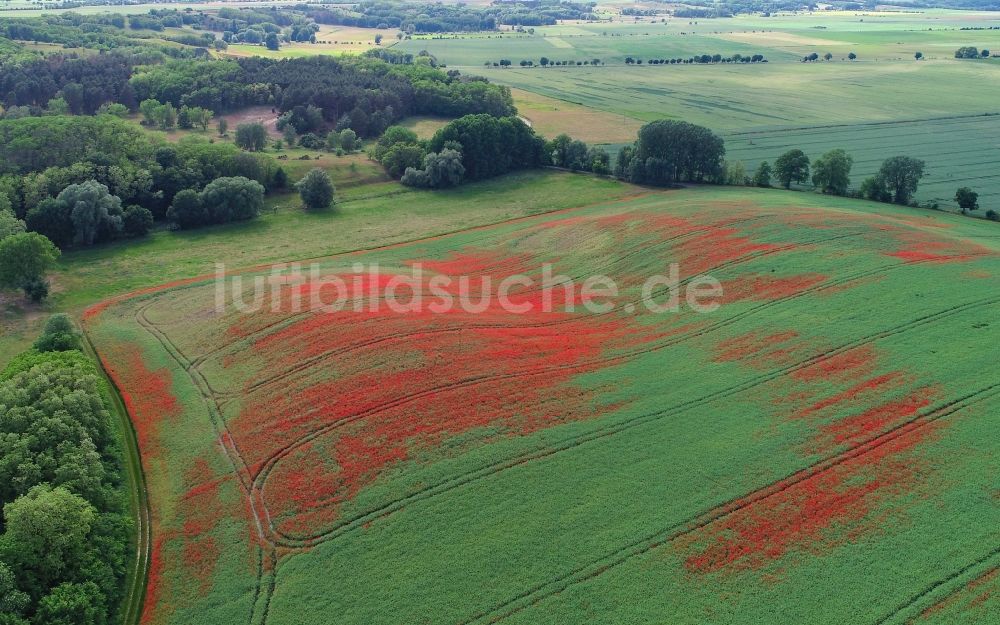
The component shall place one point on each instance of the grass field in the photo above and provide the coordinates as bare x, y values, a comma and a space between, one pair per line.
820, 447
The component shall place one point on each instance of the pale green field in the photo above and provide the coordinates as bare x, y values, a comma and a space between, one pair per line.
958, 152
730, 98
476, 50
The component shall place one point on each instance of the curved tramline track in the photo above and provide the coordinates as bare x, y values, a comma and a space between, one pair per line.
271, 465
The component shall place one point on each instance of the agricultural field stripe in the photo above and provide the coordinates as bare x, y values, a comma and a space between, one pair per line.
598, 567
618, 308
138, 567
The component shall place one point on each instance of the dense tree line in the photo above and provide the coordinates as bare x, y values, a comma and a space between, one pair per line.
85, 83
491, 146
895, 182
127, 176
971, 52
434, 18
65, 532
476, 147
96, 31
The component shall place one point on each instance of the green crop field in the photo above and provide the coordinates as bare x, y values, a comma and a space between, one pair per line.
465, 50
820, 446
771, 96
379, 414
961, 151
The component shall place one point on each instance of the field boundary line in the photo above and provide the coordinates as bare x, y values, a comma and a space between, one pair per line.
137, 573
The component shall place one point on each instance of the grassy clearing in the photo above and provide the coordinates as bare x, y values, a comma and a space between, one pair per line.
423, 125
560, 467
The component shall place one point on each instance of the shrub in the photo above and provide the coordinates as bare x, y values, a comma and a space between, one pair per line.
59, 335
316, 189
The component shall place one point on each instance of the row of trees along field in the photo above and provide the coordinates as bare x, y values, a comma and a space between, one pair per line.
629, 60
895, 182
64, 529
433, 18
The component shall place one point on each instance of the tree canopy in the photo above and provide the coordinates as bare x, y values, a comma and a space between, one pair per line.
669, 151
832, 172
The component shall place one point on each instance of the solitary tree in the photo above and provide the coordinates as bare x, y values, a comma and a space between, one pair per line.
59, 335
967, 199
251, 136
901, 175
223, 126
762, 177
271, 41
852, 56
792, 166
832, 172
348, 139
918, 55
316, 189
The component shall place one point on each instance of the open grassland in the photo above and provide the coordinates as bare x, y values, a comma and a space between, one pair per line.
959, 152
371, 210
820, 446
